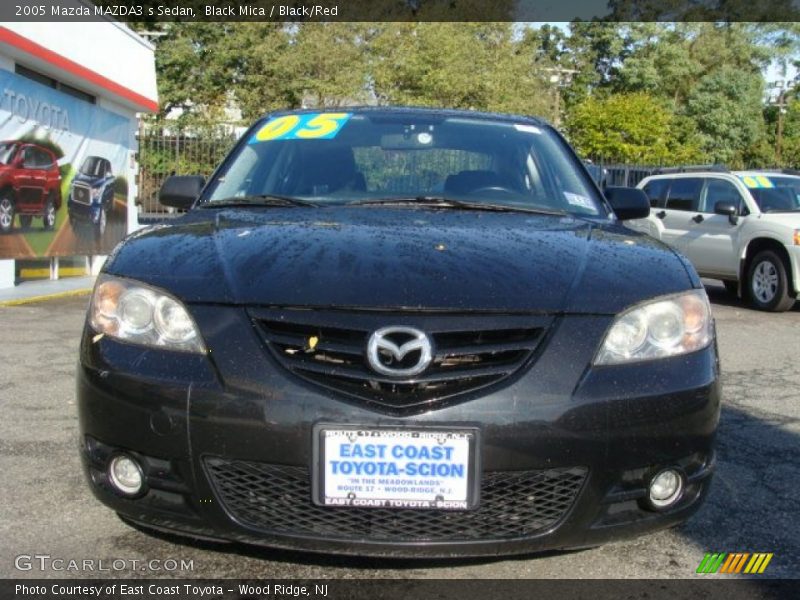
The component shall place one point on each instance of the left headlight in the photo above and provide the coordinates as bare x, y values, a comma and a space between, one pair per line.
662, 327
140, 314
96, 193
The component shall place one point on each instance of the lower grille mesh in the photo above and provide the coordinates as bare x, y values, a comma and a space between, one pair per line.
276, 498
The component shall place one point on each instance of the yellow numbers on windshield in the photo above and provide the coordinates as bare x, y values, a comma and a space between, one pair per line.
302, 127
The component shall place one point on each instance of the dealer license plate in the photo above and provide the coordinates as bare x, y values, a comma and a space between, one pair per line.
396, 468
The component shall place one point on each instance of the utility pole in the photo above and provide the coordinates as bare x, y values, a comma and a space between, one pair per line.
780, 102
558, 75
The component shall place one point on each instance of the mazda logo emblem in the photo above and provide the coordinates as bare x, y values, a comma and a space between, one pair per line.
399, 351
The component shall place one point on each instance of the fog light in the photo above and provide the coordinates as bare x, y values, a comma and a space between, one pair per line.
666, 488
125, 475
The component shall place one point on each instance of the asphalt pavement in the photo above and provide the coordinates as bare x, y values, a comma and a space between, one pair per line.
46, 508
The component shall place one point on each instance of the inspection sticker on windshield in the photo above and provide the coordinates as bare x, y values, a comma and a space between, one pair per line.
396, 468
311, 126
756, 181
579, 200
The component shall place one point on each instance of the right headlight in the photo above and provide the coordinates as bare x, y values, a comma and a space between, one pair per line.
140, 314
662, 327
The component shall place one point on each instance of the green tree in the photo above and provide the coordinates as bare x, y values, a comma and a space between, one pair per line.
197, 66
727, 107
630, 127
461, 65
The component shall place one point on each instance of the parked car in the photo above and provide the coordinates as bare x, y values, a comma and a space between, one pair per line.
315, 358
30, 185
741, 227
91, 196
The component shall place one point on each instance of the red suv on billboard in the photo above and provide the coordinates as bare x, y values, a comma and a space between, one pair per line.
30, 185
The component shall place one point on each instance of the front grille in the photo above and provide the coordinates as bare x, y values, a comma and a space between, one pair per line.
81, 193
470, 352
277, 499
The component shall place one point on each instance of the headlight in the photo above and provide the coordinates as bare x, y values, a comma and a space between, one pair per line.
96, 193
662, 327
140, 314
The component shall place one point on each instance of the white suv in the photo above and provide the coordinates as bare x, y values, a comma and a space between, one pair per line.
741, 227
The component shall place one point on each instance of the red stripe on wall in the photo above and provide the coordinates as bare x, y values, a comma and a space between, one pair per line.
22, 43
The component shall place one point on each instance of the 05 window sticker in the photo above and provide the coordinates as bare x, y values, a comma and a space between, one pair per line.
756, 181
312, 126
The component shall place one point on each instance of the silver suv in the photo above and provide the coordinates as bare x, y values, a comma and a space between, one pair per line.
742, 227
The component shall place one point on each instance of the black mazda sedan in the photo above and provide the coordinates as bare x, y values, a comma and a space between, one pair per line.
400, 332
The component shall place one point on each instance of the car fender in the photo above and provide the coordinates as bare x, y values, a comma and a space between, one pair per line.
747, 237
651, 226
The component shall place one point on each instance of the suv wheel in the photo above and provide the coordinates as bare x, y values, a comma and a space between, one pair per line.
49, 217
768, 283
6, 213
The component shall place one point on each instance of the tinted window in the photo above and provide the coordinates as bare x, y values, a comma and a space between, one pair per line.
655, 191
94, 166
718, 190
684, 194
775, 199
393, 155
385, 171
29, 159
43, 159
7, 153
790, 189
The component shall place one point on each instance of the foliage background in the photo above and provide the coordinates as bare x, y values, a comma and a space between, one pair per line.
666, 93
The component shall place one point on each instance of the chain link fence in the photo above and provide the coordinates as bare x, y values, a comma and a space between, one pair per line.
163, 152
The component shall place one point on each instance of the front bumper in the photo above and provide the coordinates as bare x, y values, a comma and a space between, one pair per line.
794, 266
226, 445
83, 213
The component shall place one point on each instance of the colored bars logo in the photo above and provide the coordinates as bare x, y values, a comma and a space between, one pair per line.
735, 562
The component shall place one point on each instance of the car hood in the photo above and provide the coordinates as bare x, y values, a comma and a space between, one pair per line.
787, 219
393, 257
87, 179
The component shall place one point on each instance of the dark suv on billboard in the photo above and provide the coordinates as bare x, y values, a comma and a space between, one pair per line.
30, 185
91, 196
404, 332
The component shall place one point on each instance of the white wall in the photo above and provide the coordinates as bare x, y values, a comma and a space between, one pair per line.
106, 47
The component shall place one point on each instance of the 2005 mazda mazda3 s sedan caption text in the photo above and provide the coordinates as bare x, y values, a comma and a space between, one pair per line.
401, 332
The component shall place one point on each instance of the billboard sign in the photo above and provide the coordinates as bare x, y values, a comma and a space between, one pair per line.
64, 167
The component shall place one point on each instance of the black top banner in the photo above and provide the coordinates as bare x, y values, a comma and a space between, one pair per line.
401, 10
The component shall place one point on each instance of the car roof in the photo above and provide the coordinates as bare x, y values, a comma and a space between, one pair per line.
765, 173
689, 174
420, 111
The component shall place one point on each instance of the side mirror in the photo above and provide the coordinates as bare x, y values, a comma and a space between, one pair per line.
628, 203
728, 209
180, 191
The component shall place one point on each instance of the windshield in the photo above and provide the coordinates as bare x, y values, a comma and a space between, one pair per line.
93, 166
7, 152
340, 158
774, 194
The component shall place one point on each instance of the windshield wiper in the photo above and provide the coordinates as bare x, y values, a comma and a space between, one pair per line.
260, 200
445, 202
